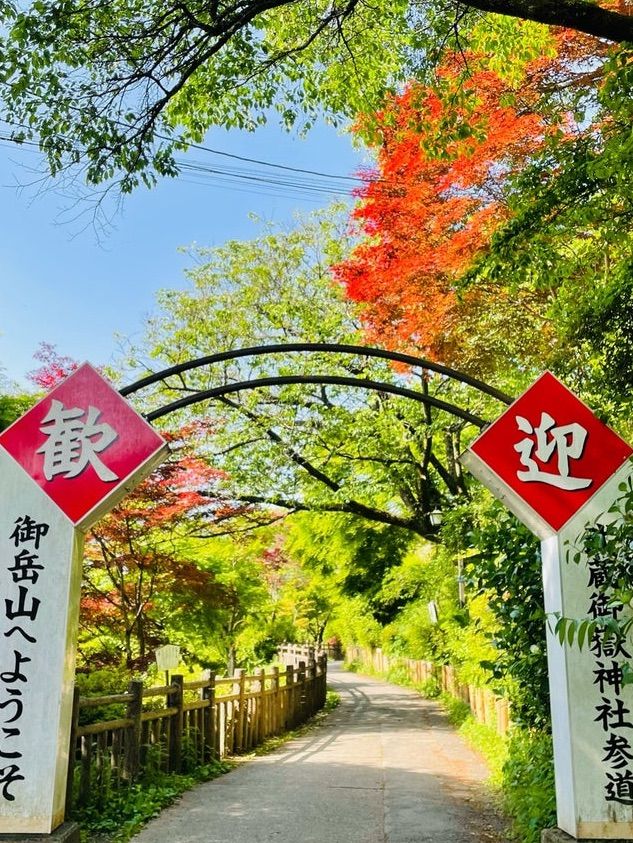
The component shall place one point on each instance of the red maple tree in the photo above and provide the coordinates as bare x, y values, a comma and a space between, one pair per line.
54, 369
135, 566
434, 200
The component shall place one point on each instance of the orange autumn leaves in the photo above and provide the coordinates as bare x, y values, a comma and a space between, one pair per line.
433, 204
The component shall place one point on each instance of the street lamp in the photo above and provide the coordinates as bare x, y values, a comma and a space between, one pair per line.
435, 517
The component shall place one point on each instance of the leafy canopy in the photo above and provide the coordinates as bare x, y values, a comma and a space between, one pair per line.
117, 88
296, 447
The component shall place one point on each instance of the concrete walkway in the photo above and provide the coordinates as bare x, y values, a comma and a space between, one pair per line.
384, 768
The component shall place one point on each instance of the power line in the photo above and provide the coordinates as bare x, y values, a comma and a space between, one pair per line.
270, 163
222, 153
243, 179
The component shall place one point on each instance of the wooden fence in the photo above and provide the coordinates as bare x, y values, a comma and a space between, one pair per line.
177, 727
293, 654
486, 707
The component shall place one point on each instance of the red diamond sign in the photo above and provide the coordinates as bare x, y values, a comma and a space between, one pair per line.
547, 455
84, 445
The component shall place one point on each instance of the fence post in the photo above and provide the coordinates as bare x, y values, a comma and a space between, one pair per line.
503, 716
276, 724
289, 709
133, 743
221, 718
208, 694
311, 696
72, 752
259, 703
238, 688
175, 699
323, 680
301, 681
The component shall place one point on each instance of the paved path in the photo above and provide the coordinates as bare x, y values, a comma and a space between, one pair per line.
384, 768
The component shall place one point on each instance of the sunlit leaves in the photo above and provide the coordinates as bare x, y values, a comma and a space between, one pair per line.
433, 205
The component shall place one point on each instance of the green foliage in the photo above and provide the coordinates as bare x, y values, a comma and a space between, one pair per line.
252, 620
189, 69
462, 635
430, 689
332, 700
97, 683
125, 811
318, 449
508, 569
399, 675
528, 784
490, 744
354, 623
12, 407
119, 89
355, 555
457, 710
511, 45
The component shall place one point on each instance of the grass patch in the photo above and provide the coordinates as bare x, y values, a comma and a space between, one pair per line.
457, 710
490, 744
123, 814
528, 784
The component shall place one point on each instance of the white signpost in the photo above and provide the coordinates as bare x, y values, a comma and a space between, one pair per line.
63, 465
558, 468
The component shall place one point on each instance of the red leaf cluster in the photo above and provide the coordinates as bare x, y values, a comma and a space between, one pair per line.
54, 369
433, 203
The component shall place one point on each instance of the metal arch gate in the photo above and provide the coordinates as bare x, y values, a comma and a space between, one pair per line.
330, 348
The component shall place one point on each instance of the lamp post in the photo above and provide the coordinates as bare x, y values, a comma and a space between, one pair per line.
436, 518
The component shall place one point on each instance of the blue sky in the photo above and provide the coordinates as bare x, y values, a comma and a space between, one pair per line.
60, 285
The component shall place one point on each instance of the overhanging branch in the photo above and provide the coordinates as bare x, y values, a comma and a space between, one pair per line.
581, 15
350, 506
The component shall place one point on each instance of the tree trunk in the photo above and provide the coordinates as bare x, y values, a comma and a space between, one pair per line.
231, 660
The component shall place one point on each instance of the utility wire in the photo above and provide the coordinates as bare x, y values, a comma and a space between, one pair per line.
260, 162
250, 179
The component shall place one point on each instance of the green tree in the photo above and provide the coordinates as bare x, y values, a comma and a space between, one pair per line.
117, 88
12, 407
295, 448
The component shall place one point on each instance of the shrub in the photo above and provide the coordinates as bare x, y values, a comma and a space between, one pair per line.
429, 689
528, 784
100, 683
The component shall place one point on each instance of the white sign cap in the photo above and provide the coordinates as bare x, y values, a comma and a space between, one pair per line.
168, 657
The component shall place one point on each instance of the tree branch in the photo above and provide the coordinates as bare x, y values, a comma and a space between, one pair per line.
580, 15
350, 506
290, 452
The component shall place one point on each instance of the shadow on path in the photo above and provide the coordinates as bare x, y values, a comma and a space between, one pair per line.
384, 767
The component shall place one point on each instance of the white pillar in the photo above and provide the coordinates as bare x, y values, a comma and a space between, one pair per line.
37, 651
579, 688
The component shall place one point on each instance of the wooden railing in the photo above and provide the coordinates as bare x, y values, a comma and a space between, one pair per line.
486, 707
177, 727
293, 654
